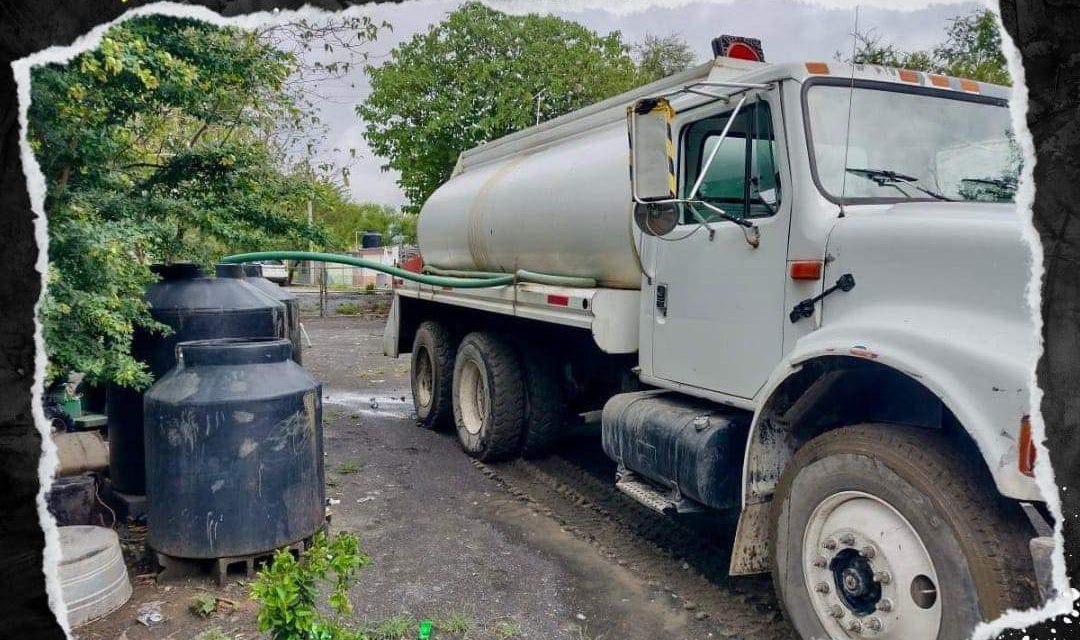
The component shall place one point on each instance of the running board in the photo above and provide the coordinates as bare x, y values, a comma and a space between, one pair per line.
650, 496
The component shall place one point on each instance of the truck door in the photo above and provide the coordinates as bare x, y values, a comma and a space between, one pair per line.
718, 321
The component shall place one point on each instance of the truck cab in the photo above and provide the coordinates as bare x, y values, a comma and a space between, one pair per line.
805, 304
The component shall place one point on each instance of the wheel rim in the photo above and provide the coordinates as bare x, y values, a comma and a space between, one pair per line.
868, 572
472, 397
425, 378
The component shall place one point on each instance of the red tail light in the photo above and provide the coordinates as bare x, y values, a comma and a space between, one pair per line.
1026, 458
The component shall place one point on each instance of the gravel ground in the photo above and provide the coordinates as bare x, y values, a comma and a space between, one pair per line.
546, 549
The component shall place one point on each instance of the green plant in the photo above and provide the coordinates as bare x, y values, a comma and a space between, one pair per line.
349, 467
213, 633
204, 605
507, 629
400, 626
456, 623
347, 309
288, 590
369, 287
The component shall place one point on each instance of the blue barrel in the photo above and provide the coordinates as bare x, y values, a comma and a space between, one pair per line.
234, 451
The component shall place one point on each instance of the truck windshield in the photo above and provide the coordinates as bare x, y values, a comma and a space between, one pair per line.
906, 145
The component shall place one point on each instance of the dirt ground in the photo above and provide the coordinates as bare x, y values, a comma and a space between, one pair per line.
541, 549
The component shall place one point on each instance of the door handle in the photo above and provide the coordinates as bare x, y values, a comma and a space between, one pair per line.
661, 299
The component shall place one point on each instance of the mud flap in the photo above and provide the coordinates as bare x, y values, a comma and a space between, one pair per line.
750, 551
392, 330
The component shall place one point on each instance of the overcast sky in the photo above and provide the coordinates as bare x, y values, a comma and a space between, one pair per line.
789, 31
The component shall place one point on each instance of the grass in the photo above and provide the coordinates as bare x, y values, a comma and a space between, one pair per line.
330, 482
347, 309
213, 633
349, 467
396, 627
508, 629
456, 623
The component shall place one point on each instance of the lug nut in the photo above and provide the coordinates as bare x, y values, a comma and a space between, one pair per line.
855, 626
836, 611
884, 605
873, 624
868, 552
820, 562
822, 587
882, 577
847, 539
829, 544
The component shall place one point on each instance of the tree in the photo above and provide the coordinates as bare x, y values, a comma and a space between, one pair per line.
971, 49
161, 144
661, 56
479, 75
344, 219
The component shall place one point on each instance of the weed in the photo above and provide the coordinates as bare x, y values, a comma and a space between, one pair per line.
397, 627
347, 309
214, 633
203, 605
456, 623
508, 629
330, 482
349, 467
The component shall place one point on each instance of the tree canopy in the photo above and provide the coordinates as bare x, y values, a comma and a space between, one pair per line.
166, 142
661, 56
971, 49
479, 75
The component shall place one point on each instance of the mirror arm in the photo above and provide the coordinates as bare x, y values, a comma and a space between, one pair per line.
716, 148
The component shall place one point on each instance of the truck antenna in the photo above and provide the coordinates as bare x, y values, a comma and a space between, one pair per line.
851, 94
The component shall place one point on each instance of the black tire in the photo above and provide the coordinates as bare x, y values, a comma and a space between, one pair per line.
489, 397
976, 540
433, 352
546, 413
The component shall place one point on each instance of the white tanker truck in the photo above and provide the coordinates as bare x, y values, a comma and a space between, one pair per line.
797, 291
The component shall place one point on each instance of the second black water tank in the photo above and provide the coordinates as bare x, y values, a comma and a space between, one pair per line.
253, 275
196, 308
234, 451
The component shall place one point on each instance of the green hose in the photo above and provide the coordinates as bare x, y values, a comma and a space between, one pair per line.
439, 277
435, 281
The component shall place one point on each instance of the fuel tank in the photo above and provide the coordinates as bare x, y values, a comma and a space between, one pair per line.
679, 443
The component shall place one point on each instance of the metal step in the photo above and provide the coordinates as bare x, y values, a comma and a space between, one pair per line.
90, 421
652, 497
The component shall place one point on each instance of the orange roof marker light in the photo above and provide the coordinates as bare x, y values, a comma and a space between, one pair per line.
817, 67
907, 75
939, 81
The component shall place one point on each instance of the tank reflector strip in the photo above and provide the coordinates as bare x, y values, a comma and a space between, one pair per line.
562, 301
969, 85
907, 75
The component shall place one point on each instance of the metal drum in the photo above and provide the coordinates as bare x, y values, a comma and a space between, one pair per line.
195, 307
234, 451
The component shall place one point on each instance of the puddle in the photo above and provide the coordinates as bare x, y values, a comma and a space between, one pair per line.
371, 403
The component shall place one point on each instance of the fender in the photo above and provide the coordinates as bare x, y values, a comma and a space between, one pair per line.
984, 385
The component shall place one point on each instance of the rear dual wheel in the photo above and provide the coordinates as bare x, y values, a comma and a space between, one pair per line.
488, 397
882, 531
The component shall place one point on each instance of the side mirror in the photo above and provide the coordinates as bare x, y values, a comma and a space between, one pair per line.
656, 218
650, 175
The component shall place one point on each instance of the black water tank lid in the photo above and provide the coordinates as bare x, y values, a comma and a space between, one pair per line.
229, 270
232, 351
177, 271
253, 270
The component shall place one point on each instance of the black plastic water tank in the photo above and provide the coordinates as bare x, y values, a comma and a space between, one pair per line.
234, 451
370, 239
195, 307
253, 275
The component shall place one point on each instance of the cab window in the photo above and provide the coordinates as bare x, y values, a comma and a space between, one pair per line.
744, 166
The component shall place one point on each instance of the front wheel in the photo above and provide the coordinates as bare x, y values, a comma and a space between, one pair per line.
891, 532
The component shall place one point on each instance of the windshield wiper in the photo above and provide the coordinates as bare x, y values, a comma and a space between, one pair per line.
1001, 183
884, 177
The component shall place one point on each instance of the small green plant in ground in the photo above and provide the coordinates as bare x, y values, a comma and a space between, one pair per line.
347, 309
349, 467
400, 626
214, 633
204, 605
330, 482
456, 623
507, 629
288, 590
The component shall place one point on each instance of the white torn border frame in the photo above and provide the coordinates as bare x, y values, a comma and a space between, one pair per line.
1062, 605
